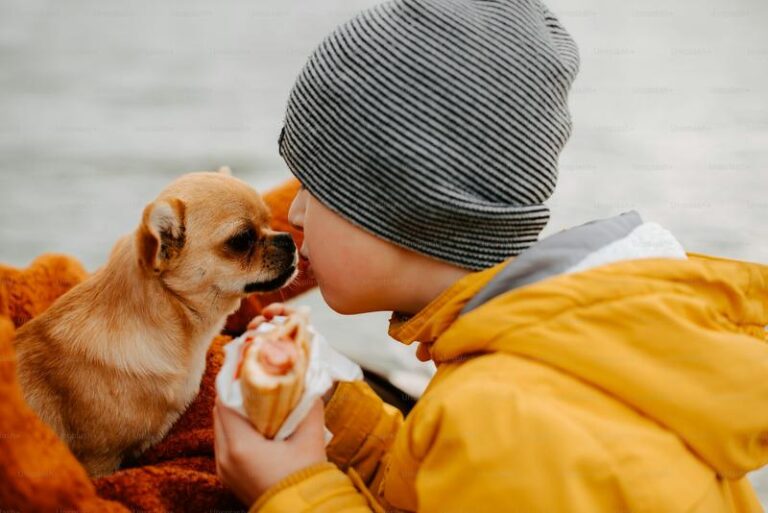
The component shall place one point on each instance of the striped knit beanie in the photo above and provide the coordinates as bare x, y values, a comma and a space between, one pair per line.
437, 124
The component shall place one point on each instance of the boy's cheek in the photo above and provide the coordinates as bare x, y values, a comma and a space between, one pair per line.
344, 289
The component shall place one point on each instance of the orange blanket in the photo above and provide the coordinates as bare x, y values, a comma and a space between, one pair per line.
38, 473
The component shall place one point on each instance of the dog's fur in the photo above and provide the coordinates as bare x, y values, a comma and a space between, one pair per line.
115, 361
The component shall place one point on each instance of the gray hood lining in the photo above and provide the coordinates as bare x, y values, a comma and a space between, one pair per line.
555, 254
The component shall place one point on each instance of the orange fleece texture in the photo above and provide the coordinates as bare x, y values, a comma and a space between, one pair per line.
38, 473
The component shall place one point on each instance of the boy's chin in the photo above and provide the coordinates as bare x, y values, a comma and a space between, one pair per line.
340, 306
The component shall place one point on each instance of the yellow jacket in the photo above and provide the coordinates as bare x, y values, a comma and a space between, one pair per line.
636, 386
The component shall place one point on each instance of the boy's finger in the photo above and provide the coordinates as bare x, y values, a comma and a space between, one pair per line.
277, 309
219, 439
312, 426
219, 445
236, 427
223, 417
256, 321
271, 308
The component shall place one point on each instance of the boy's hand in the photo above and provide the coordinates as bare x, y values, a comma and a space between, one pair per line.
268, 312
248, 464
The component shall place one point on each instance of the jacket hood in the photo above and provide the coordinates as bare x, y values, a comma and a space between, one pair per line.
616, 302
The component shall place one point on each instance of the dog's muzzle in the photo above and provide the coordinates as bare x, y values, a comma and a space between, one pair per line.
269, 285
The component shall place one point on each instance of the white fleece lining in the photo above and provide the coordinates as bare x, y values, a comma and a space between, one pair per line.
649, 240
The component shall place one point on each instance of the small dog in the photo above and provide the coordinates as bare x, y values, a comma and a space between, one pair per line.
114, 362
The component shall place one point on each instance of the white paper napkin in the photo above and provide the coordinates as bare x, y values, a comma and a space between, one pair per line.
326, 365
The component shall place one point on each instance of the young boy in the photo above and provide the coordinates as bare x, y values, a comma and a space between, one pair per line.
599, 370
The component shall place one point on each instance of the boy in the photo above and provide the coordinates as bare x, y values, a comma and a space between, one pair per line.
601, 369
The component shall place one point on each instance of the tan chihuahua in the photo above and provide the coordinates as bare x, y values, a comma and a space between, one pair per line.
114, 362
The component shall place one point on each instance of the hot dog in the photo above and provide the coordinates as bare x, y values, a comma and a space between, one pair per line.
272, 370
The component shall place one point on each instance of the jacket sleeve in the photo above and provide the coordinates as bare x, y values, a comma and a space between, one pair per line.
363, 427
320, 488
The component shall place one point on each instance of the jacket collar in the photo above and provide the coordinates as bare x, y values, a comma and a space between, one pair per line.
620, 237
429, 322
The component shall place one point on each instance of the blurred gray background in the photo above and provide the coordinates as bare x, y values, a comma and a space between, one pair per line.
102, 103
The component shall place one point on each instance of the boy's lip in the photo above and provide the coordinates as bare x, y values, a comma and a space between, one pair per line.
307, 266
303, 257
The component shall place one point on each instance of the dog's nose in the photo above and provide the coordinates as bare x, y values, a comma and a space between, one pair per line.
284, 241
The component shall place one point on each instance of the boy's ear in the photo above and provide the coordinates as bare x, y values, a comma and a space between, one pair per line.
161, 235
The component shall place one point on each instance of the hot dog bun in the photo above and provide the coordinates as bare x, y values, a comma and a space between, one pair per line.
272, 371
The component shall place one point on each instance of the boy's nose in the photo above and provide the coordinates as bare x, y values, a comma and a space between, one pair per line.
296, 212
295, 225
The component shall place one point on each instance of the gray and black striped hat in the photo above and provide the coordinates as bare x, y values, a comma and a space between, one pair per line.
437, 124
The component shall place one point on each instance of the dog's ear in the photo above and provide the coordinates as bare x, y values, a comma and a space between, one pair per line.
161, 236
225, 170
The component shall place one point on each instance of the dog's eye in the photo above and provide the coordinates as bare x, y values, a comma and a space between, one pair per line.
243, 241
